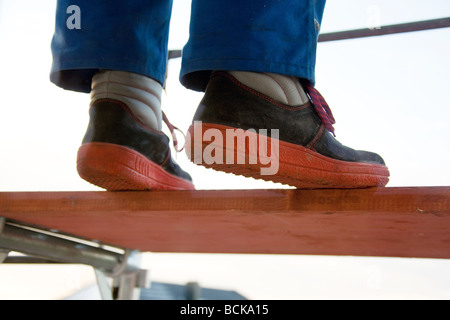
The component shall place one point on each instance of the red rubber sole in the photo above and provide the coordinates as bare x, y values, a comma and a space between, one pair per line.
297, 166
117, 168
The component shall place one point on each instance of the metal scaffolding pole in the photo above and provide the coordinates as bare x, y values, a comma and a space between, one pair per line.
53, 248
386, 30
366, 32
43, 246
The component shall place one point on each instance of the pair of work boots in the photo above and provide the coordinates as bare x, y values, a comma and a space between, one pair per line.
237, 129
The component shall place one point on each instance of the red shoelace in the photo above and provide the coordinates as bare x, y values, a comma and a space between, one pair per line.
322, 108
172, 129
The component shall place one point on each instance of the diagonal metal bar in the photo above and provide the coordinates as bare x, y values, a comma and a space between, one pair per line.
366, 32
386, 30
49, 247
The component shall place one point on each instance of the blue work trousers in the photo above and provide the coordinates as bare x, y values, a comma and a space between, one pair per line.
277, 36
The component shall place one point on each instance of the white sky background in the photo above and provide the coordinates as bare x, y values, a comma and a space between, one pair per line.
388, 94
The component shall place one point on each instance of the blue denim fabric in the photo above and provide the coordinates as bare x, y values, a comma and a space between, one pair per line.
251, 35
278, 36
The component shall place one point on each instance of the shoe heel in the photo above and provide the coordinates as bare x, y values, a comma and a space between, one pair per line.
106, 167
117, 168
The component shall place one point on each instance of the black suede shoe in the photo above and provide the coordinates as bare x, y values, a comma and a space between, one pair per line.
120, 153
239, 130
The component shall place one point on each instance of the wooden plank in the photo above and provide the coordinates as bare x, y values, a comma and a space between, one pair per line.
392, 222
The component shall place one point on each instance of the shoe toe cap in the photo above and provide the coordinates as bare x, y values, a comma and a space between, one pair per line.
369, 157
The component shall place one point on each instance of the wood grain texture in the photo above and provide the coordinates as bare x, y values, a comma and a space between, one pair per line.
390, 222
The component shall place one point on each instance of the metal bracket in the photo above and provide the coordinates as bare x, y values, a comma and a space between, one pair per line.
2, 224
3, 253
122, 266
127, 279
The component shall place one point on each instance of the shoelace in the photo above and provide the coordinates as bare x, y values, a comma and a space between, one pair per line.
172, 129
322, 108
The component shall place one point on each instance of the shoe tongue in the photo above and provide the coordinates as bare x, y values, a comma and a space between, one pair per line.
322, 108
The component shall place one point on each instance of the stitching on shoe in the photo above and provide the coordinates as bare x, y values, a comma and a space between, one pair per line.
312, 144
260, 95
124, 106
166, 160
